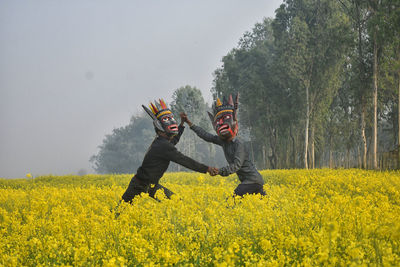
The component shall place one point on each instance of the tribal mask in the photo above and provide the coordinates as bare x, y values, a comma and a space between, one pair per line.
163, 119
224, 118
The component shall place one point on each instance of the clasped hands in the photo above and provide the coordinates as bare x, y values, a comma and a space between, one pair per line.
213, 171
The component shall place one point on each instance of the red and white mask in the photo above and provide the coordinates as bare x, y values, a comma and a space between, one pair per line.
225, 126
224, 118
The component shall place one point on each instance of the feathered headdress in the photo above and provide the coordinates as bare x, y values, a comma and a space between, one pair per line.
224, 106
159, 109
156, 111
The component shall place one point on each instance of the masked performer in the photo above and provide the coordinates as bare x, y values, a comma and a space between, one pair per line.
225, 123
160, 153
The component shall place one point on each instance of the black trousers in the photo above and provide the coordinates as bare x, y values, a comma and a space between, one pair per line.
136, 187
243, 189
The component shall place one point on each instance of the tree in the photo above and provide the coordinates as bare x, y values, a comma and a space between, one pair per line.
381, 30
249, 70
312, 38
389, 71
190, 100
124, 149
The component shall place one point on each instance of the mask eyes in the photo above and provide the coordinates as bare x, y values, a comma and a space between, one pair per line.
225, 117
168, 119
222, 118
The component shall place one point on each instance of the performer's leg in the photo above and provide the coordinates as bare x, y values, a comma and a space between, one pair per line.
243, 189
261, 191
152, 191
136, 187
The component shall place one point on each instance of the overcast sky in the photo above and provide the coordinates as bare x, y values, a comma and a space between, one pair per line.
73, 70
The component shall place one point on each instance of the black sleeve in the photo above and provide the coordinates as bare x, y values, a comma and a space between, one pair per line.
205, 135
171, 153
177, 137
240, 155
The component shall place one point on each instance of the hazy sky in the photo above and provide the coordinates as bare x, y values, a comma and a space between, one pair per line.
73, 70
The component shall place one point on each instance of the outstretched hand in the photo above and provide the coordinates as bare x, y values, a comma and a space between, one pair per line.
213, 171
184, 118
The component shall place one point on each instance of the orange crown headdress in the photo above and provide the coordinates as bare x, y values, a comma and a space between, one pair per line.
224, 106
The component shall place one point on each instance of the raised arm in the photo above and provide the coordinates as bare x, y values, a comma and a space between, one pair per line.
201, 132
206, 136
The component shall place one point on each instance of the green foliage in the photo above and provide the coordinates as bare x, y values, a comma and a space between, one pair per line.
323, 48
250, 70
124, 149
190, 100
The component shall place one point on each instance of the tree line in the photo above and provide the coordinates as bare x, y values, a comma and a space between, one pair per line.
319, 86
320, 83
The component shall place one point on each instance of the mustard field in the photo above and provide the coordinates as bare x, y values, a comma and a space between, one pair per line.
308, 218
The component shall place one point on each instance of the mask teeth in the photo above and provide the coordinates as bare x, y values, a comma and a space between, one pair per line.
163, 105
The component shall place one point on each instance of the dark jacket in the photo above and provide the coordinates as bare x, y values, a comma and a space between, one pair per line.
158, 156
237, 156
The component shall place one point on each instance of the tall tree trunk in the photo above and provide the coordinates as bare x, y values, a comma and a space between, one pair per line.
398, 118
398, 107
190, 148
363, 136
306, 128
330, 153
375, 131
251, 141
361, 74
212, 153
264, 156
272, 145
312, 147
287, 160
293, 163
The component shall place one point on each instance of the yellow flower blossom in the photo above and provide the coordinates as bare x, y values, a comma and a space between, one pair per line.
307, 218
